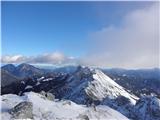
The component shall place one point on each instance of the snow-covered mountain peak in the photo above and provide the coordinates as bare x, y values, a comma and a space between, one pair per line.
88, 83
103, 86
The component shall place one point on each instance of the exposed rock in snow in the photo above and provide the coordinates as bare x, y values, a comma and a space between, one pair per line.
148, 108
83, 117
48, 95
22, 111
46, 109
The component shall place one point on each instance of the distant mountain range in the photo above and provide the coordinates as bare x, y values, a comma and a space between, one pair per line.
142, 81
23, 70
122, 90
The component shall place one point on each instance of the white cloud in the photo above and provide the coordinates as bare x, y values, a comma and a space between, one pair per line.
135, 44
50, 58
13, 59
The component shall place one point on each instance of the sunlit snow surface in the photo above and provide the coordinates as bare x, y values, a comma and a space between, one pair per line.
102, 86
53, 110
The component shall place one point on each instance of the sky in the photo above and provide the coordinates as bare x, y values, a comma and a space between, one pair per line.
105, 34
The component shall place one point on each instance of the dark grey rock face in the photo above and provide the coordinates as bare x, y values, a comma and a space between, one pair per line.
22, 111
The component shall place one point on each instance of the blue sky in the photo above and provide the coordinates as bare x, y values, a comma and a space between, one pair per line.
34, 28
31, 28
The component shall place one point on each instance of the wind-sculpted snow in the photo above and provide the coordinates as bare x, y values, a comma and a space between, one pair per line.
52, 110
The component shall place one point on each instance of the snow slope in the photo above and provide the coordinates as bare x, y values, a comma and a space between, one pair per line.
102, 86
53, 110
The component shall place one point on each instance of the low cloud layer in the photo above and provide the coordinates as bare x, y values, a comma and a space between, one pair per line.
50, 58
134, 44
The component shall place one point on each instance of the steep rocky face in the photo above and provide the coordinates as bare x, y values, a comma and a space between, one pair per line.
148, 108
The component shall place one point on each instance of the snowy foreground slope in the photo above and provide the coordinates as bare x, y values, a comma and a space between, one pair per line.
55, 110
